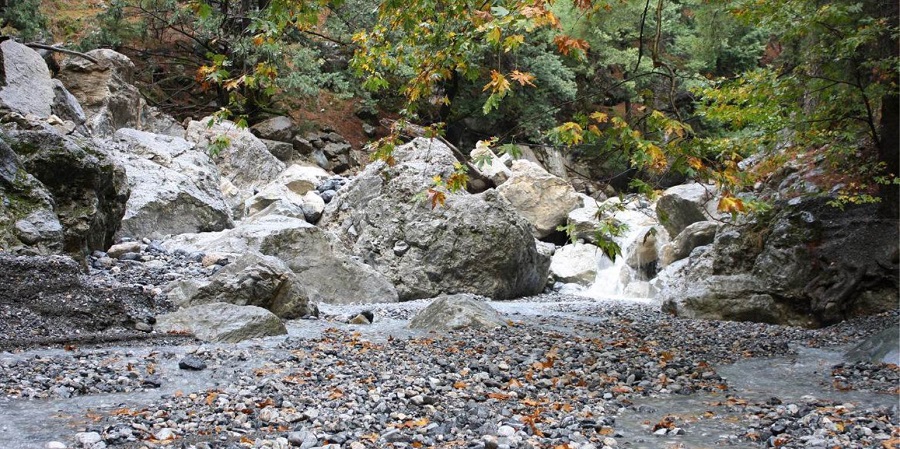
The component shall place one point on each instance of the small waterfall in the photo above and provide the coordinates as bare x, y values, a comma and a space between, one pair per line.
640, 245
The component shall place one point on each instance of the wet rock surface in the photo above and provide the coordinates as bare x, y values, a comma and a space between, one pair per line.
567, 371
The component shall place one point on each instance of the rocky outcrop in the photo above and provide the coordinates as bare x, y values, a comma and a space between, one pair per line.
174, 188
457, 312
47, 297
472, 244
104, 90
882, 347
576, 263
245, 165
327, 275
250, 280
327, 149
543, 199
28, 88
222, 322
27, 220
807, 264
89, 190
682, 205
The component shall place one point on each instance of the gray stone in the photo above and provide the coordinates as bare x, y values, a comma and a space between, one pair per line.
307, 250
882, 347
543, 199
696, 234
472, 244
251, 279
222, 322
65, 105
682, 205
192, 363
284, 151
279, 128
174, 187
457, 312
28, 88
119, 249
39, 226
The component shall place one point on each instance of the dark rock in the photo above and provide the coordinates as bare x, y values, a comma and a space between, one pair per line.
279, 128
89, 190
192, 363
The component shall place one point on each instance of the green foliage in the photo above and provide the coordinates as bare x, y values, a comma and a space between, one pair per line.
25, 19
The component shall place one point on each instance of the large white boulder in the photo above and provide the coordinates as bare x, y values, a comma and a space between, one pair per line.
222, 322
174, 187
458, 312
545, 200
471, 244
575, 264
28, 88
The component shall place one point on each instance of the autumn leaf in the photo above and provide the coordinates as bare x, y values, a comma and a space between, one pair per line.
335, 394
498, 396
523, 78
566, 44
730, 204
498, 83
459, 385
436, 197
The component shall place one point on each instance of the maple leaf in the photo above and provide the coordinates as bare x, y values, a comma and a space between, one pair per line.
523, 78
730, 204
498, 83
565, 44
436, 197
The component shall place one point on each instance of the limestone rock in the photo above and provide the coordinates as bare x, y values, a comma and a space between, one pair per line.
326, 274
294, 186
543, 199
575, 264
65, 105
174, 187
245, 165
89, 190
251, 279
457, 312
697, 234
472, 244
682, 205
222, 322
28, 88
28, 222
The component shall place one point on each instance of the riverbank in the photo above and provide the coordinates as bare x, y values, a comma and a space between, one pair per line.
566, 371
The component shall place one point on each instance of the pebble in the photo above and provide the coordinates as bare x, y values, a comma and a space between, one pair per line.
192, 363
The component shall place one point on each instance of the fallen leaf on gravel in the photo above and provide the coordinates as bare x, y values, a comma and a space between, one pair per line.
499, 396
459, 385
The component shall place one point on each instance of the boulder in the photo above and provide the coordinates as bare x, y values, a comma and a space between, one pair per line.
27, 218
805, 264
682, 205
222, 322
575, 264
457, 312
284, 151
471, 244
245, 165
89, 190
279, 128
543, 199
881, 347
27, 87
326, 274
174, 187
696, 234
250, 280
104, 90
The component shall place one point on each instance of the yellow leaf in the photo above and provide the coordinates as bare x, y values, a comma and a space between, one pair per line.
600, 117
498, 83
459, 385
731, 205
